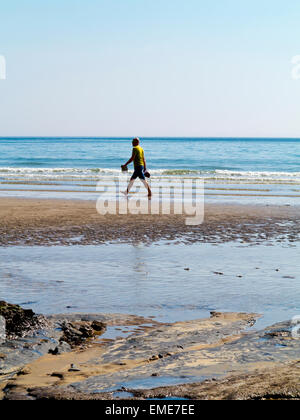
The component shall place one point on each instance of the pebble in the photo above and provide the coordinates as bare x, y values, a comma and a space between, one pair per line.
57, 375
73, 368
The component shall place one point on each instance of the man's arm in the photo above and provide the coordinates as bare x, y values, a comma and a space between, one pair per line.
130, 160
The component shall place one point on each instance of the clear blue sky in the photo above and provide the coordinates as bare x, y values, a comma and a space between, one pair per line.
150, 67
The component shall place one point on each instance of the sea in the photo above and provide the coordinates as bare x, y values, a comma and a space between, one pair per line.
247, 170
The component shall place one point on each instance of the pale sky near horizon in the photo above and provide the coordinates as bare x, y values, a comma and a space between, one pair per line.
149, 68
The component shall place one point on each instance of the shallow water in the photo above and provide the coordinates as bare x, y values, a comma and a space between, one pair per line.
217, 192
151, 382
154, 280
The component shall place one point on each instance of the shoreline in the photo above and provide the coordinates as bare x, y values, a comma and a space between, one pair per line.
75, 222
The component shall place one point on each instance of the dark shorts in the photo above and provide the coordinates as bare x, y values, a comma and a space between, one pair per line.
138, 173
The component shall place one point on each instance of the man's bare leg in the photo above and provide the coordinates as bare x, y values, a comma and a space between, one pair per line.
147, 187
131, 182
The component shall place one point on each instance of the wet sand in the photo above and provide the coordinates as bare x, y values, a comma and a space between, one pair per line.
279, 382
225, 361
66, 222
212, 358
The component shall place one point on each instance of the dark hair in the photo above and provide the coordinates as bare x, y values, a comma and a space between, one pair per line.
135, 141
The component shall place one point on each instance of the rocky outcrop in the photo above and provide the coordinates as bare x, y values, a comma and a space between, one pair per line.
29, 336
20, 322
78, 332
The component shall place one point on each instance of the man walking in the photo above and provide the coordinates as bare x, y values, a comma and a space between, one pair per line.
139, 163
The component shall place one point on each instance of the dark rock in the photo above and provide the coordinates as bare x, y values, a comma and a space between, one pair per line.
57, 375
54, 352
98, 326
20, 322
279, 334
78, 332
71, 335
86, 330
215, 314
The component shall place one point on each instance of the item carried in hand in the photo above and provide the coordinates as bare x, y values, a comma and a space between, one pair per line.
147, 174
124, 168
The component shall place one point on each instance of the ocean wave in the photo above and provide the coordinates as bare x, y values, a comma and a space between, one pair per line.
57, 172
181, 172
33, 173
255, 175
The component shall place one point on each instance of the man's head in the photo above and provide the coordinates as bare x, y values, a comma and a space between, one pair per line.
135, 141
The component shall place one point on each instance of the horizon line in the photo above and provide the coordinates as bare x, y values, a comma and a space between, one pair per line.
150, 137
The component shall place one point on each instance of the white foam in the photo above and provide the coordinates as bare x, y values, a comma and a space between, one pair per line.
96, 174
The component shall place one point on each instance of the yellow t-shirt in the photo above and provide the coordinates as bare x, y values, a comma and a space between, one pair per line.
138, 159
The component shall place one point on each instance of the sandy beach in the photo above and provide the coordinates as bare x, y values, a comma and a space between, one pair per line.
46, 222
182, 351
